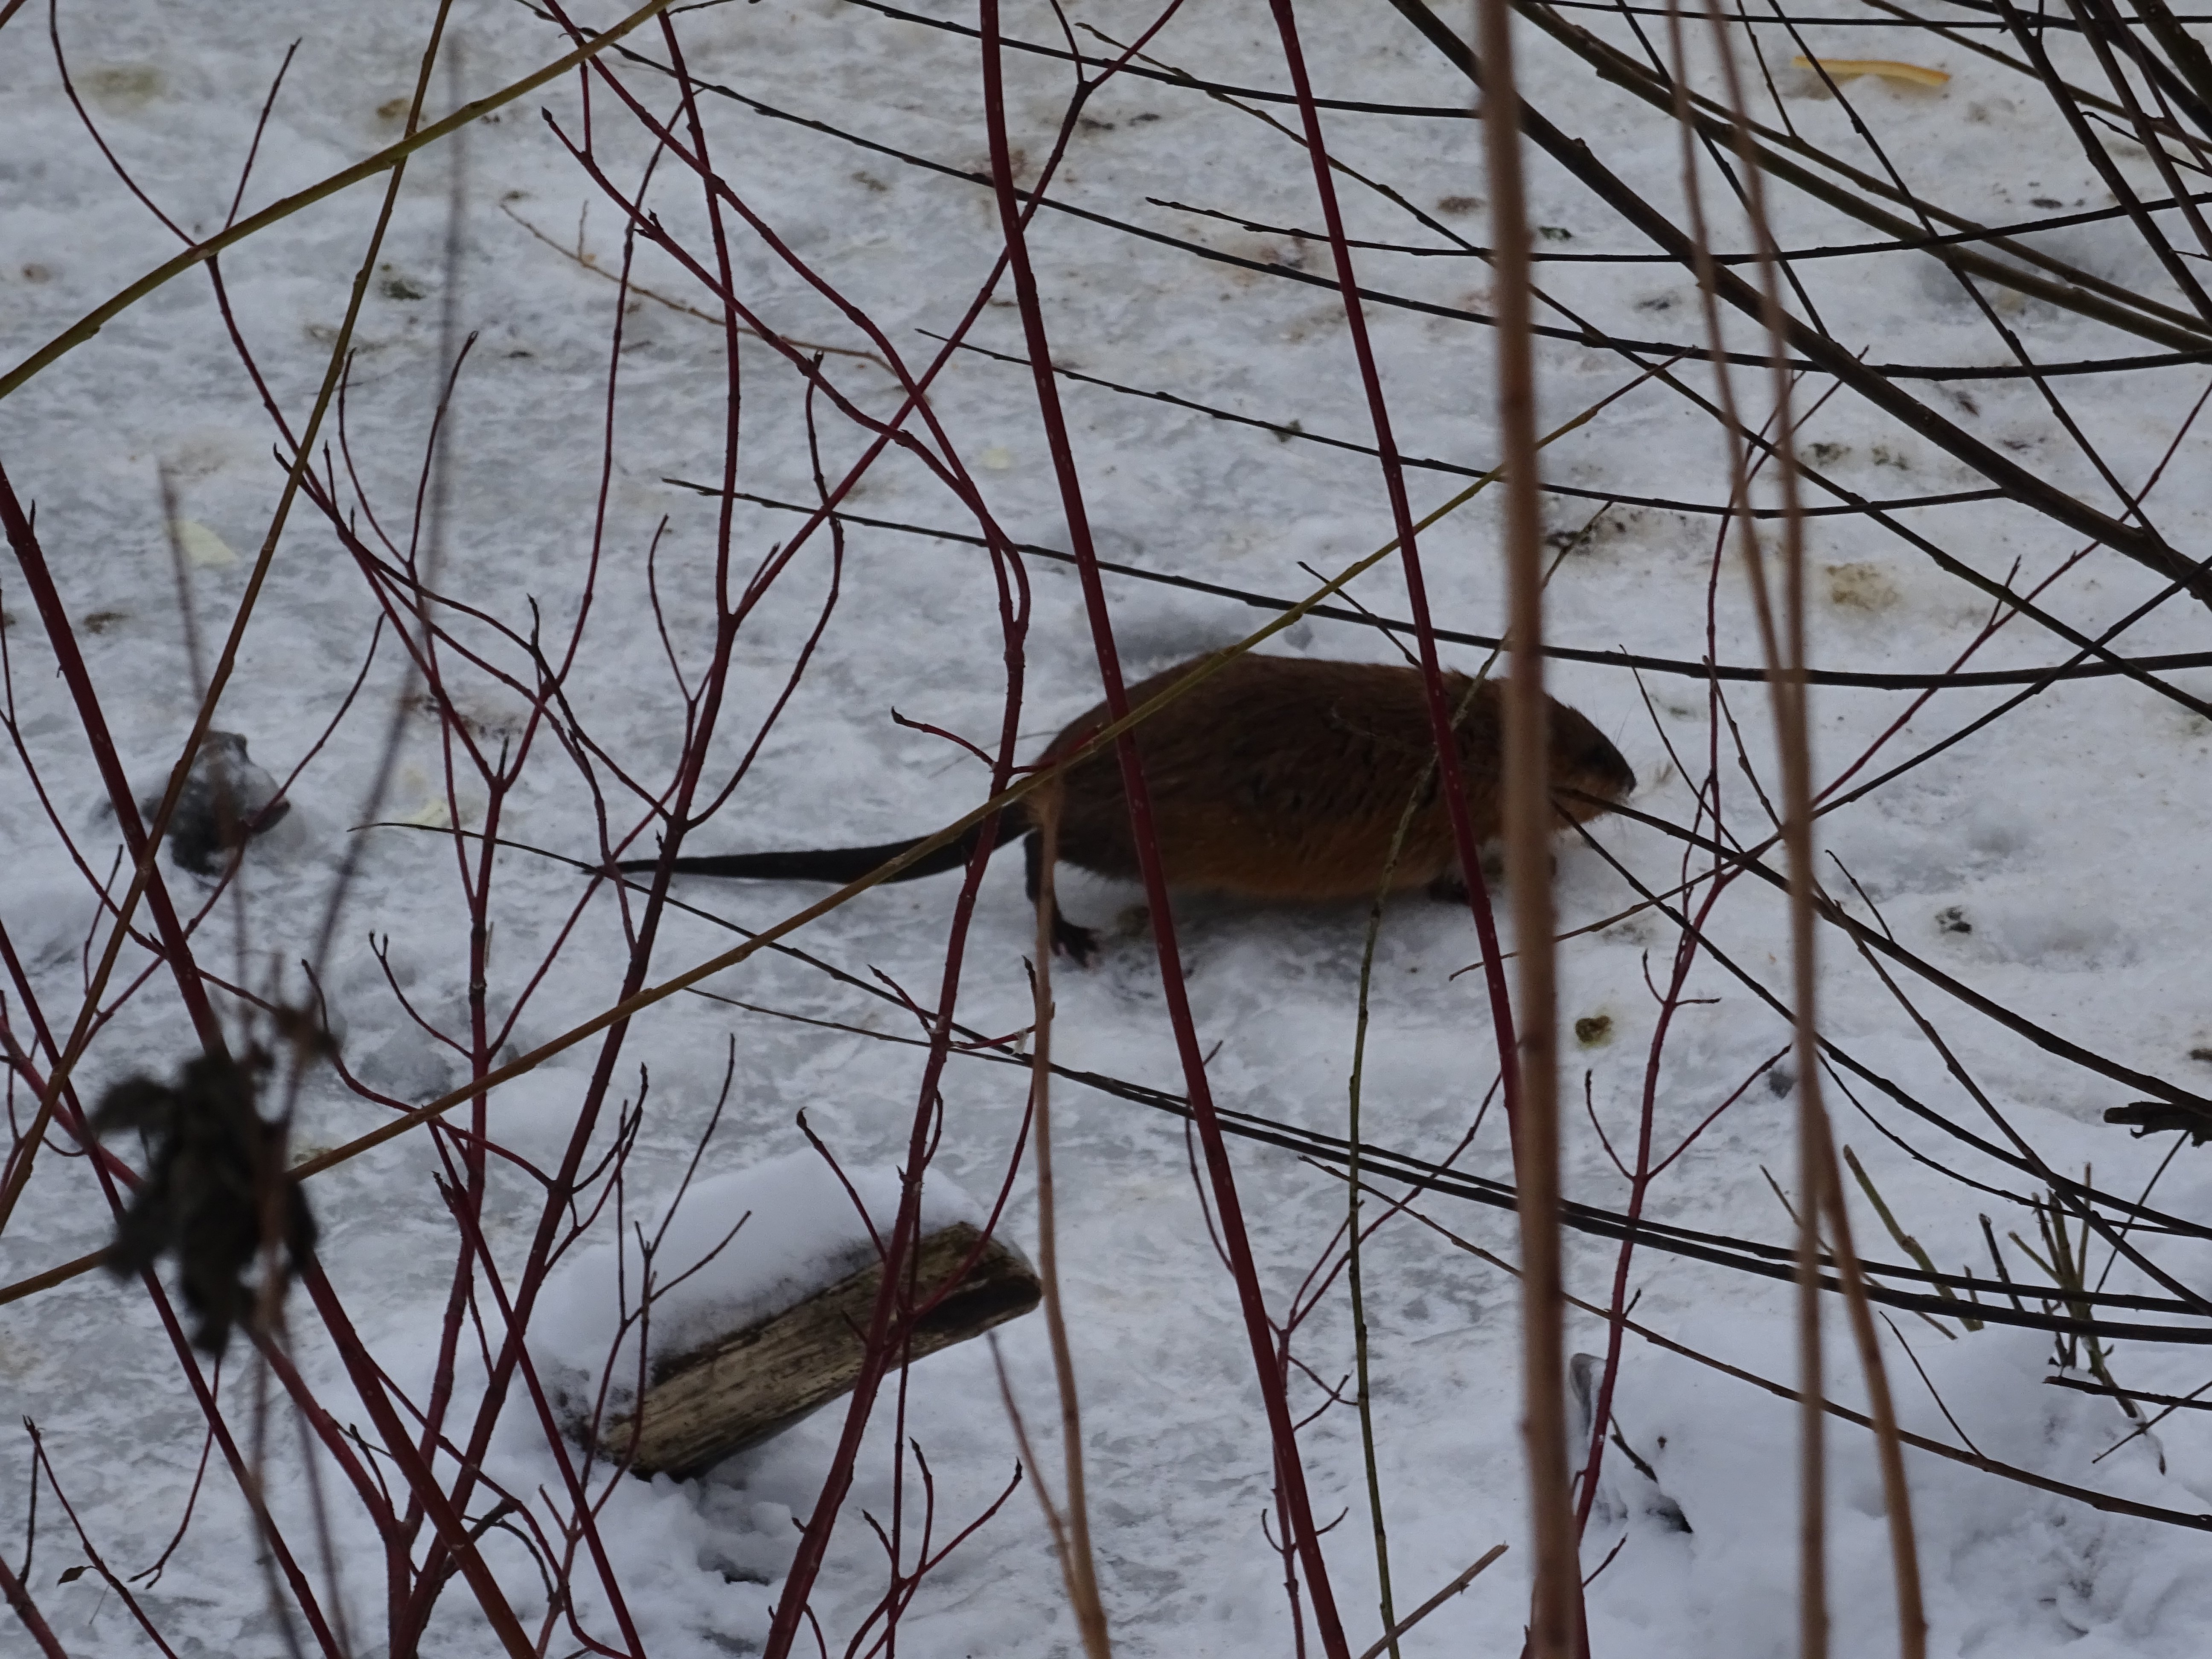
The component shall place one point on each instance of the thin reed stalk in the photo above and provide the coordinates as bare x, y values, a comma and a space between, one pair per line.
1555, 1629
1820, 1193
1355, 1281
1354, 1278
1078, 1564
1787, 696
239, 230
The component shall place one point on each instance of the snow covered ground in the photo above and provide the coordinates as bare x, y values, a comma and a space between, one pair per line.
2056, 862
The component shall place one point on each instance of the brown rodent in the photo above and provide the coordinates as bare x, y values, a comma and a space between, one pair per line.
1277, 779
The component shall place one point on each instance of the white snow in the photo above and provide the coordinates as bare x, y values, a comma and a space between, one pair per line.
738, 1248
2069, 837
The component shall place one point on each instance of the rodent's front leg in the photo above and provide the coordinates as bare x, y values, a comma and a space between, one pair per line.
1079, 945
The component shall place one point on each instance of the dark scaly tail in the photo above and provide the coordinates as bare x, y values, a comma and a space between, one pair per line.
844, 863
839, 865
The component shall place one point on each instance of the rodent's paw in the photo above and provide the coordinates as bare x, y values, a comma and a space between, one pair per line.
1079, 945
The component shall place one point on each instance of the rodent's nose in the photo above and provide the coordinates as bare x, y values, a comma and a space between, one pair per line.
1605, 762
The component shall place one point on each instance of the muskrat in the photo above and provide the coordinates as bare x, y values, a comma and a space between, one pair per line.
1277, 779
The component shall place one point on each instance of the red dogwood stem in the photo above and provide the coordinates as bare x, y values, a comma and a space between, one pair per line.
1272, 1392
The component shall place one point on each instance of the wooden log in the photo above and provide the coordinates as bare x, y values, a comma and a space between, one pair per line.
747, 1385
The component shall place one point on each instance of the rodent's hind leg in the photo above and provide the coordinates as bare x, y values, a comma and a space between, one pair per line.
1079, 945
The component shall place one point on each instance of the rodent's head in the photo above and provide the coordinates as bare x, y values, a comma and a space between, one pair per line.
1588, 774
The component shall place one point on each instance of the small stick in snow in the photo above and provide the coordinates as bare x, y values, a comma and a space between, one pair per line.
1434, 1602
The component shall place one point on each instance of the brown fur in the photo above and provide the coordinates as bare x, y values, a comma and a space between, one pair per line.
1282, 778
1277, 779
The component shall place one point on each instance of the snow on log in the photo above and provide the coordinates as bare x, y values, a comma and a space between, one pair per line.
736, 1309
740, 1388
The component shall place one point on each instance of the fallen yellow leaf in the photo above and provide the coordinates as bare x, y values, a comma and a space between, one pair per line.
1886, 66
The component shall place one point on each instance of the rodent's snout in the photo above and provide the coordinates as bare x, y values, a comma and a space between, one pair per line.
1585, 763
1620, 775
1602, 765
